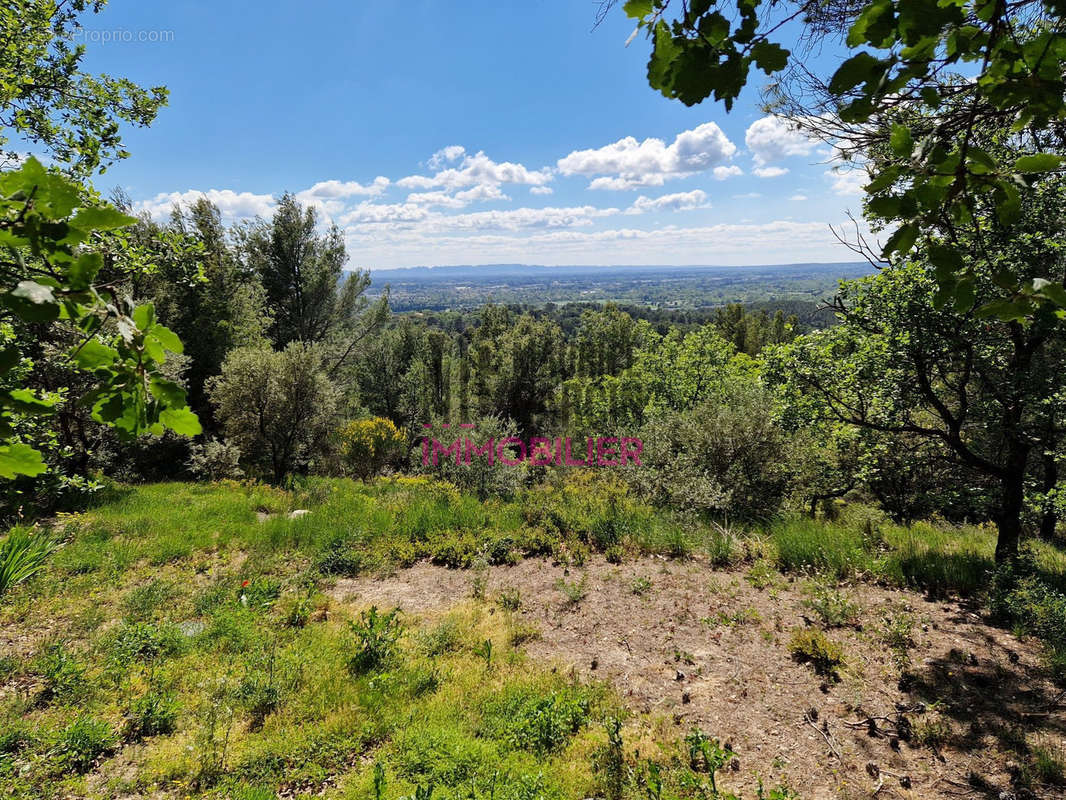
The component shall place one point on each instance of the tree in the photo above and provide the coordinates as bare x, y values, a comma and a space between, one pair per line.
921, 80
516, 366
302, 272
900, 365
277, 407
47, 100
204, 291
55, 242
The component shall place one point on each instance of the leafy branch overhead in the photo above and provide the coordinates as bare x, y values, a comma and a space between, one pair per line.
49, 268
919, 80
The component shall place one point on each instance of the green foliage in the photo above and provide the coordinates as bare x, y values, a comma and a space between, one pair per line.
528, 719
727, 456
832, 605
376, 637
82, 743
23, 554
47, 99
836, 550
277, 407
47, 218
906, 67
151, 714
811, 646
62, 673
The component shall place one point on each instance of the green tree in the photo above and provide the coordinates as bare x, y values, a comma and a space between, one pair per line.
46, 99
279, 408
899, 365
309, 296
919, 79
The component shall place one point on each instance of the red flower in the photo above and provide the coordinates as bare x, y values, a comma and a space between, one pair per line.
245, 583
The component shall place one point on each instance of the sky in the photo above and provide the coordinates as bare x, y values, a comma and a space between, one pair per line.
436, 132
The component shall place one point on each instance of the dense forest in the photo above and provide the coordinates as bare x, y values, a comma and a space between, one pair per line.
257, 544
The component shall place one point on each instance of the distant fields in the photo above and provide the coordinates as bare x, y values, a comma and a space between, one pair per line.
466, 287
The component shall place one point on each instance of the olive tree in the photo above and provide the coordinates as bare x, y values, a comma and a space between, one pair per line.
278, 407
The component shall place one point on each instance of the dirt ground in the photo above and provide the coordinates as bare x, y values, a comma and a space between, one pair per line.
697, 647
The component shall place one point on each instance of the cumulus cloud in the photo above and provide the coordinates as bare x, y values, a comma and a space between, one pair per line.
628, 163
540, 190
483, 193
474, 170
799, 198
770, 172
774, 138
232, 205
847, 181
681, 201
446, 155
721, 173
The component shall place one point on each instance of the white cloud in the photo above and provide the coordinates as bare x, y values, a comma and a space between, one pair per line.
446, 155
681, 201
540, 190
770, 172
847, 181
336, 190
483, 193
628, 163
367, 213
799, 198
232, 205
748, 196
474, 170
721, 173
774, 138
780, 241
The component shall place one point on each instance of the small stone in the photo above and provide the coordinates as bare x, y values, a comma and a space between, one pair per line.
680, 676
300, 512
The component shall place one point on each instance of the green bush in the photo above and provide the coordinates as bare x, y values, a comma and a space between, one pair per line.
377, 635
809, 646
78, 746
527, 718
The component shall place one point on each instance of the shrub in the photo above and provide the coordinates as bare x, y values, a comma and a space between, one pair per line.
215, 460
23, 554
541, 723
833, 606
277, 407
813, 647
726, 456
479, 476
377, 635
80, 744
368, 445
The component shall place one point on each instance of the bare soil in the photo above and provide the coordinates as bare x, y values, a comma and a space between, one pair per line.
709, 648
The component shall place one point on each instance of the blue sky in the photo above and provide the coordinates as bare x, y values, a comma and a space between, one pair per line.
435, 132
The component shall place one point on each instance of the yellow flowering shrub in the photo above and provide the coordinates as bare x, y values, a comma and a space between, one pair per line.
367, 445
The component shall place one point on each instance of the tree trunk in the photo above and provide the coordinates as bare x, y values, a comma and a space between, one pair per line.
1012, 500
